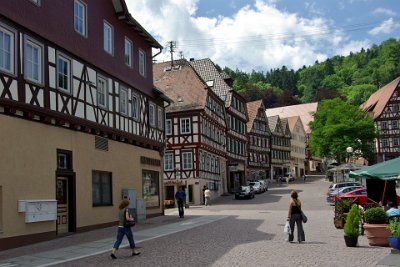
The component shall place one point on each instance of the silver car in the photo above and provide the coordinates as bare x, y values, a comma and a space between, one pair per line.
257, 187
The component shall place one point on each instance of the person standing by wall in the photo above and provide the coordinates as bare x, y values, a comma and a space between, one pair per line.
204, 197
294, 216
122, 230
180, 197
207, 195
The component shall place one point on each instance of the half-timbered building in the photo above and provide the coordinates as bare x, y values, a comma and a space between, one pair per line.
298, 146
236, 118
384, 107
195, 133
258, 140
280, 146
81, 124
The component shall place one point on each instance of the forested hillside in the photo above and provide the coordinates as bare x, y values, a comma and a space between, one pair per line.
354, 77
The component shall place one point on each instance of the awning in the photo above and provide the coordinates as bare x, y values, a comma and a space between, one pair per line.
387, 170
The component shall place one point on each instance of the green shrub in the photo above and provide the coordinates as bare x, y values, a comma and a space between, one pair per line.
352, 225
394, 227
376, 216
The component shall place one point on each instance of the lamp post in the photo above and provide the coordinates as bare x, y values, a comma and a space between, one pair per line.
349, 151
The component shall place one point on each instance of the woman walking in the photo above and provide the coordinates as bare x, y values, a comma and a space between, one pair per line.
124, 215
294, 216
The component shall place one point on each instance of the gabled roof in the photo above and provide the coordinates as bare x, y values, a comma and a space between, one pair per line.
210, 74
123, 14
252, 111
378, 100
293, 121
305, 111
285, 126
182, 84
273, 123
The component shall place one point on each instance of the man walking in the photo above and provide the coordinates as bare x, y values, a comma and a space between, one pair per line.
180, 197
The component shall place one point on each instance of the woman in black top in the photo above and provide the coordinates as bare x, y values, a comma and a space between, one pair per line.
294, 216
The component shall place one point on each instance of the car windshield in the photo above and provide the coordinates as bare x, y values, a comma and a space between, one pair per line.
254, 183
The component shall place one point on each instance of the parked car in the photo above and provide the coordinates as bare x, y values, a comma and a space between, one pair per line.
257, 187
360, 194
331, 198
335, 186
244, 191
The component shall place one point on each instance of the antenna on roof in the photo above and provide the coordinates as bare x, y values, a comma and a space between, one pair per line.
172, 46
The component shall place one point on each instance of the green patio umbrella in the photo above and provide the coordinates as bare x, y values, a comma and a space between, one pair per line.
387, 170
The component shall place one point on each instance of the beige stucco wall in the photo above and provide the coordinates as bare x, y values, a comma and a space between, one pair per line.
28, 166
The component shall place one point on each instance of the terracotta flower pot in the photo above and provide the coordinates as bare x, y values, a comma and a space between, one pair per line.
377, 234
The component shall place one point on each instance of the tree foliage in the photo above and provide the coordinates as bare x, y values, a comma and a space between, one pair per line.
354, 77
338, 125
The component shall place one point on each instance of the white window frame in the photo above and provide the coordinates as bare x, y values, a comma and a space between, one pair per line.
142, 63
187, 160
80, 20
152, 114
168, 127
128, 48
108, 38
169, 161
123, 100
185, 126
160, 118
67, 75
396, 142
104, 91
34, 62
135, 106
12, 34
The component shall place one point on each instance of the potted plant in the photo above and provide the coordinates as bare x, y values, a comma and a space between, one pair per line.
394, 238
376, 227
352, 227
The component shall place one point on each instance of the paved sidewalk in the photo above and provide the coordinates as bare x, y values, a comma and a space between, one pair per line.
47, 255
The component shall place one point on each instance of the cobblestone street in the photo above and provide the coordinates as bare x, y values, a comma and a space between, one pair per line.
238, 233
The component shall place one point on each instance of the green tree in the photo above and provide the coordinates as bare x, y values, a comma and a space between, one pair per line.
338, 125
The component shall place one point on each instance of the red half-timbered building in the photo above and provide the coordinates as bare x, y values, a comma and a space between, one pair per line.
195, 132
384, 106
80, 120
236, 120
259, 140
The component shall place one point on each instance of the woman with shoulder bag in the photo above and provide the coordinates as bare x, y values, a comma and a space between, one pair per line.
295, 216
124, 228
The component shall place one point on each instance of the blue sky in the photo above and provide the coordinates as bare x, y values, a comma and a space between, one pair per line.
266, 34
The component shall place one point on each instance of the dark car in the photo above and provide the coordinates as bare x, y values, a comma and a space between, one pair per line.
244, 191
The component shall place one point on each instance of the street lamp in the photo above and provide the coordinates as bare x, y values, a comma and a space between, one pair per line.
349, 151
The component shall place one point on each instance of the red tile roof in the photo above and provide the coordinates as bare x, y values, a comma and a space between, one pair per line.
378, 100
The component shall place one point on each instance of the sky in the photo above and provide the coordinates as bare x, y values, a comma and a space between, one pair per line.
266, 34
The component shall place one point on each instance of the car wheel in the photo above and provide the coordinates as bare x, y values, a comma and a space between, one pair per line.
236, 197
252, 196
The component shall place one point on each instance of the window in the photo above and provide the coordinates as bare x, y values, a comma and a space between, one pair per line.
123, 101
102, 90
395, 124
152, 114
33, 61
396, 142
385, 142
142, 63
108, 38
168, 127
187, 160
185, 126
160, 118
80, 17
101, 188
7, 54
128, 52
64, 73
384, 125
135, 106
151, 187
169, 162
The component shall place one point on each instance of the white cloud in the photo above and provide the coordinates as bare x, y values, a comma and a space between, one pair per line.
385, 27
353, 46
258, 36
384, 11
